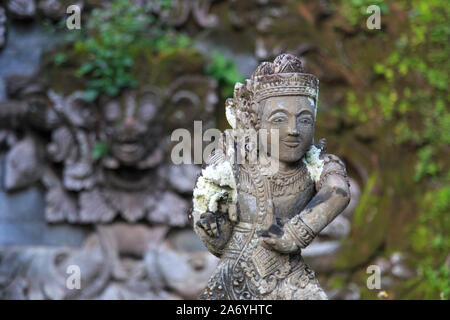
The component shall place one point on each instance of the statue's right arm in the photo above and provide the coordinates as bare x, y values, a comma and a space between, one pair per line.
214, 229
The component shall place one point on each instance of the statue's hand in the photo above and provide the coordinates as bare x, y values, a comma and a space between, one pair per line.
275, 238
208, 224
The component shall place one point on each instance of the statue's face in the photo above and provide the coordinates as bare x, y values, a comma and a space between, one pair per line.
293, 117
128, 124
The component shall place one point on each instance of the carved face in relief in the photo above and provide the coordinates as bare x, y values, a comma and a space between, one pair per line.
130, 124
293, 116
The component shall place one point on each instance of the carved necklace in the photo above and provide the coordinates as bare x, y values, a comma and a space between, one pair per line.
289, 183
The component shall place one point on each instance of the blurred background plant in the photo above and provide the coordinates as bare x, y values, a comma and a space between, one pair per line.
410, 97
107, 47
111, 40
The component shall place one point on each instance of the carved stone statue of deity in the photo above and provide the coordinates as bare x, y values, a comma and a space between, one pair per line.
257, 221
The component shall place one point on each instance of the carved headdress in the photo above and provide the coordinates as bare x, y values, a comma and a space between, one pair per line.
283, 77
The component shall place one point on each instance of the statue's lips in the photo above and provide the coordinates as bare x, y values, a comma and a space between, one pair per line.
291, 144
127, 152
129, 147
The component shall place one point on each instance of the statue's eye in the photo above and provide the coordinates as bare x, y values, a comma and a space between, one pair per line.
149, 103
305, 121
147, 110
278, 120
112, 111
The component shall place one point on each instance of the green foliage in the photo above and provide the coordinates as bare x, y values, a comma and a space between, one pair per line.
410, 95
355, 11
99, 150
413, 94
224, 70
425, 165
60, 58
366, 203
431, 242
111, 41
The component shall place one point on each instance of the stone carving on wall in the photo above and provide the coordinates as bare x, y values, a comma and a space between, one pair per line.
2, 27
125, 182
118, 261
50, 138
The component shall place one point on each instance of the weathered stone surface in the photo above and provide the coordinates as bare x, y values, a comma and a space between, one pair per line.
111, 264
171, 210
56, 9
182, 177
337, 229
94, 208
181, 264
24, 164
2, 28
23, 221
17, 58
22, 9
185, 273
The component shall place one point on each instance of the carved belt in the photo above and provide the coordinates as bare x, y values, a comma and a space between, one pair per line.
268, 262
244, 232
265, 261
244, 227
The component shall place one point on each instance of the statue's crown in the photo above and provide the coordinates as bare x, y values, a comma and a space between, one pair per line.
283, 77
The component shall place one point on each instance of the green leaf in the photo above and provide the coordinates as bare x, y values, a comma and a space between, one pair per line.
100, 149
91, 95
60, 58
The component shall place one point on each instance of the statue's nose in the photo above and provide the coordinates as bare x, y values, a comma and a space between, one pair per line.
293, 129
129, 123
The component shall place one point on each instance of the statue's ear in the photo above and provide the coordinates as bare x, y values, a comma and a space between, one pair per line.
80, 111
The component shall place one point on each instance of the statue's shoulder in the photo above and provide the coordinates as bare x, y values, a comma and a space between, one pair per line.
332, 161
332, 165
321, 164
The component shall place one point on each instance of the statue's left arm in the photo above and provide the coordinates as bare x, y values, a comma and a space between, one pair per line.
332, 197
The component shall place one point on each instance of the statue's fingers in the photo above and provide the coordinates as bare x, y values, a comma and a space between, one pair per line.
212, 221
214, 229
263, 243
268, 241
204, 225
261, 233
200, 226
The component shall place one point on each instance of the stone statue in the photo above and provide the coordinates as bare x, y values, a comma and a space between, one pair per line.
255, 220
